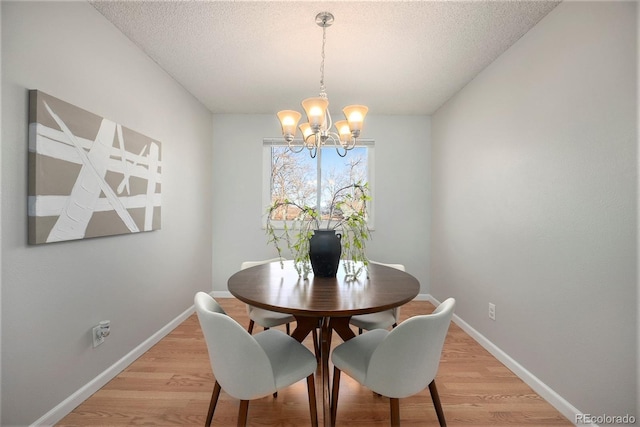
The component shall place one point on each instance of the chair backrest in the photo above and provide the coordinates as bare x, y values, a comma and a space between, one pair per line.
408, 358
238, 362
396, 310
208, 304
247, 264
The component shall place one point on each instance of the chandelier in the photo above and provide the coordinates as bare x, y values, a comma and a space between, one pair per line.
318, 130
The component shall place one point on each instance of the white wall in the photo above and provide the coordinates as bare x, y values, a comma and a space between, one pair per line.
534, 203
53, 294
401, 192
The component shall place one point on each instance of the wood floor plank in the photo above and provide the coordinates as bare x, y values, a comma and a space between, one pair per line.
171, 385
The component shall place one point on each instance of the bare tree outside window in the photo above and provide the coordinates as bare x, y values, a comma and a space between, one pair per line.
294, 177
340, 172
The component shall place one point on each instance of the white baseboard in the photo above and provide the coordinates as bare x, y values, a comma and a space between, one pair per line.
70, 403
424, 297
221, 294
546, 392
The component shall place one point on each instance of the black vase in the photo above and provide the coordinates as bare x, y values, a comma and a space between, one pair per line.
324, 252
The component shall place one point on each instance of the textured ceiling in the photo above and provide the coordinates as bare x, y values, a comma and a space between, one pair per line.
261, 57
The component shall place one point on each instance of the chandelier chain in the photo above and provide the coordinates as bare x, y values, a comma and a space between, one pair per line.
323, 92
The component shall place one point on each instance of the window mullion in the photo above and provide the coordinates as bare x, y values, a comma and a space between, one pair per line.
319, 181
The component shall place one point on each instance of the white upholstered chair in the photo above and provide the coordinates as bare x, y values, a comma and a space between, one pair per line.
382, 319
268, 318
396, 364
251, 366
265, 318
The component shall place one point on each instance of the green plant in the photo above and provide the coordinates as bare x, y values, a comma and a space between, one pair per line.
346, 213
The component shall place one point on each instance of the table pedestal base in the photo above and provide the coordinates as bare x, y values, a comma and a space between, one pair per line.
306, 325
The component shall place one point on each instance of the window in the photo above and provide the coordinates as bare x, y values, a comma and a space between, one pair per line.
313, 181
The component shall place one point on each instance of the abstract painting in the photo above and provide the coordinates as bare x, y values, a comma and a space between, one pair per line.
88, 176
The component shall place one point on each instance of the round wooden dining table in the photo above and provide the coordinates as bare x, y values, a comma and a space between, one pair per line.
320, 302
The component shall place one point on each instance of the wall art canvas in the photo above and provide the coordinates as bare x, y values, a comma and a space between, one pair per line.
88, 176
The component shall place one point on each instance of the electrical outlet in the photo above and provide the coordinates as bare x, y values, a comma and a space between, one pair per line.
98, 338
492, 311
100, 332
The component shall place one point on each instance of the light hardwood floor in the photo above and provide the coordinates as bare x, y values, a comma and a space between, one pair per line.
171, 384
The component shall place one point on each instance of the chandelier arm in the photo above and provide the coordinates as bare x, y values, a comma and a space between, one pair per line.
337, 144
295, 151
351, 145
311, 141
329, 121
335, 138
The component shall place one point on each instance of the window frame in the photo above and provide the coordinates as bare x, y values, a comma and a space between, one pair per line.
267, 143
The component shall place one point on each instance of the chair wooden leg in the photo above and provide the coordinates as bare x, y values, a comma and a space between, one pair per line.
359, 331
316, 345
212, 404
395, 411
250, 329
288, 329
242, 413
334, 395
436, 402
313, 409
